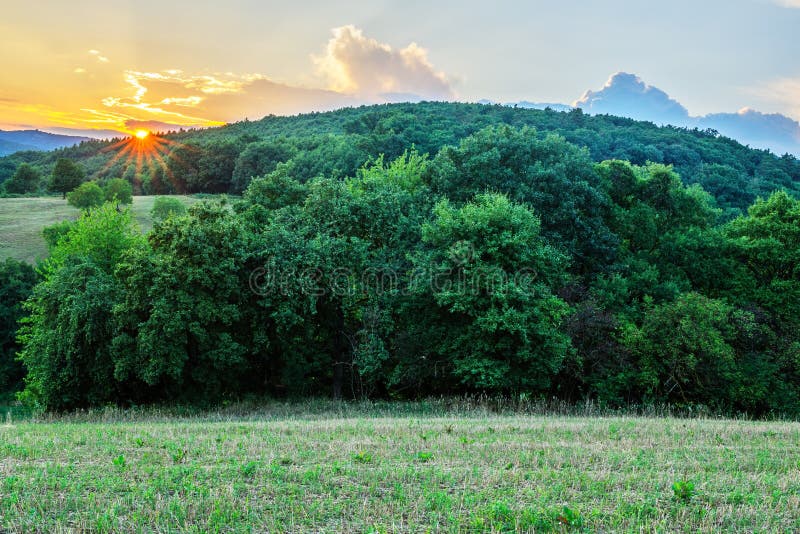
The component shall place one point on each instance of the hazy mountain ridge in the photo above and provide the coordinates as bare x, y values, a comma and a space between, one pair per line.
18, 140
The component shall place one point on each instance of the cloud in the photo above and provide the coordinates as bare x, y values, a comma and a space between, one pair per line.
788, 3
100, 57
177, 99
774, 131
356, 70
784, 91
627, 95
355, 64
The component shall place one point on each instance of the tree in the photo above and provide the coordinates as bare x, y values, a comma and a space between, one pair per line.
16, 283
187, 322
85, 196
66, 336
26, 179
491, 276
557, 179
118, 191
67, 175
259, 159
163, 207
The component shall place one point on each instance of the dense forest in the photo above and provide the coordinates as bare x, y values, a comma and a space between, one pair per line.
336, 144
409, 250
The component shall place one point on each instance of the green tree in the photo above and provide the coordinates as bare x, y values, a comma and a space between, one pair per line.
26, 179
67, 332
118, 191
554, 177
67, 175
491, 278
85, 196
186, 319
16, 283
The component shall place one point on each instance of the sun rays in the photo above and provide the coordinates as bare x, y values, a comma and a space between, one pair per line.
146, 152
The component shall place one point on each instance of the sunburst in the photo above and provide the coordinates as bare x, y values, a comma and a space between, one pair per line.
142, 149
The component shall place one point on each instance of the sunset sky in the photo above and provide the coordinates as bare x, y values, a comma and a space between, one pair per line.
158, 64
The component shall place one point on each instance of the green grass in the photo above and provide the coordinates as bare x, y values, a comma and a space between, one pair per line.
22, 221
355, 468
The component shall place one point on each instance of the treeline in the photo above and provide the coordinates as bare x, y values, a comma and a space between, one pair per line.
223, 160
508, 263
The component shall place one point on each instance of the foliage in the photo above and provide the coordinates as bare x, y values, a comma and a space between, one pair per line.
26, 179
118, 191
66, 176
16, 283
509, 261
490, 276
65, 335
163, 207
85, 196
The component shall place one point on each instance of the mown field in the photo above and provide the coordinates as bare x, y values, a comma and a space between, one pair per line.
344, 470
22, 220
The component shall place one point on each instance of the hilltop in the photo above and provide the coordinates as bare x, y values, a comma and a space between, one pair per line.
337, 143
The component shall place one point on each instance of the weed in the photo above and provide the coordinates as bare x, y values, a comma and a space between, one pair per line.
423, 456
249, 469
119, 462
362, 457
683, 490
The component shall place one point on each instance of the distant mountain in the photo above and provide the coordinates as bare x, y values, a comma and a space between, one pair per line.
626, 95
17, 140
88, 132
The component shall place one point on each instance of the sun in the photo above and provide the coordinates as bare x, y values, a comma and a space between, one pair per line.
141, 134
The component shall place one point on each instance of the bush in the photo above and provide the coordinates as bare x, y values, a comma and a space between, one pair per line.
25, 180
118, 191
85, 196
163, 207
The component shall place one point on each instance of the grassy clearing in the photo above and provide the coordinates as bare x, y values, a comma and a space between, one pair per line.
22, 220
285, 468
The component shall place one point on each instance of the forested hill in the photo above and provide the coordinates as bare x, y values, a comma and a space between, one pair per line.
339, 142
506, 262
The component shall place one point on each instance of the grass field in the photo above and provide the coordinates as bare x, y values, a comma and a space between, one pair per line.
22, 220
344, 470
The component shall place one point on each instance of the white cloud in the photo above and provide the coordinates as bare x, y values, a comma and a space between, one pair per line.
79, 70
178, 98
627, 95
100, 57
355, 64
788, 3
783, 91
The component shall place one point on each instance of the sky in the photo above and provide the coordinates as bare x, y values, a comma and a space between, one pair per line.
158, 64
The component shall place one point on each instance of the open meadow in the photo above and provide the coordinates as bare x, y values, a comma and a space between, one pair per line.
347, 468
22, 221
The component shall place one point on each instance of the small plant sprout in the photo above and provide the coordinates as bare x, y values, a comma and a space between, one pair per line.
119, 462
362, 457
683, 490
249, 469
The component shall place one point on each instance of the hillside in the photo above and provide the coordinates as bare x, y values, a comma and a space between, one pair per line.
337, 143
21, 140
